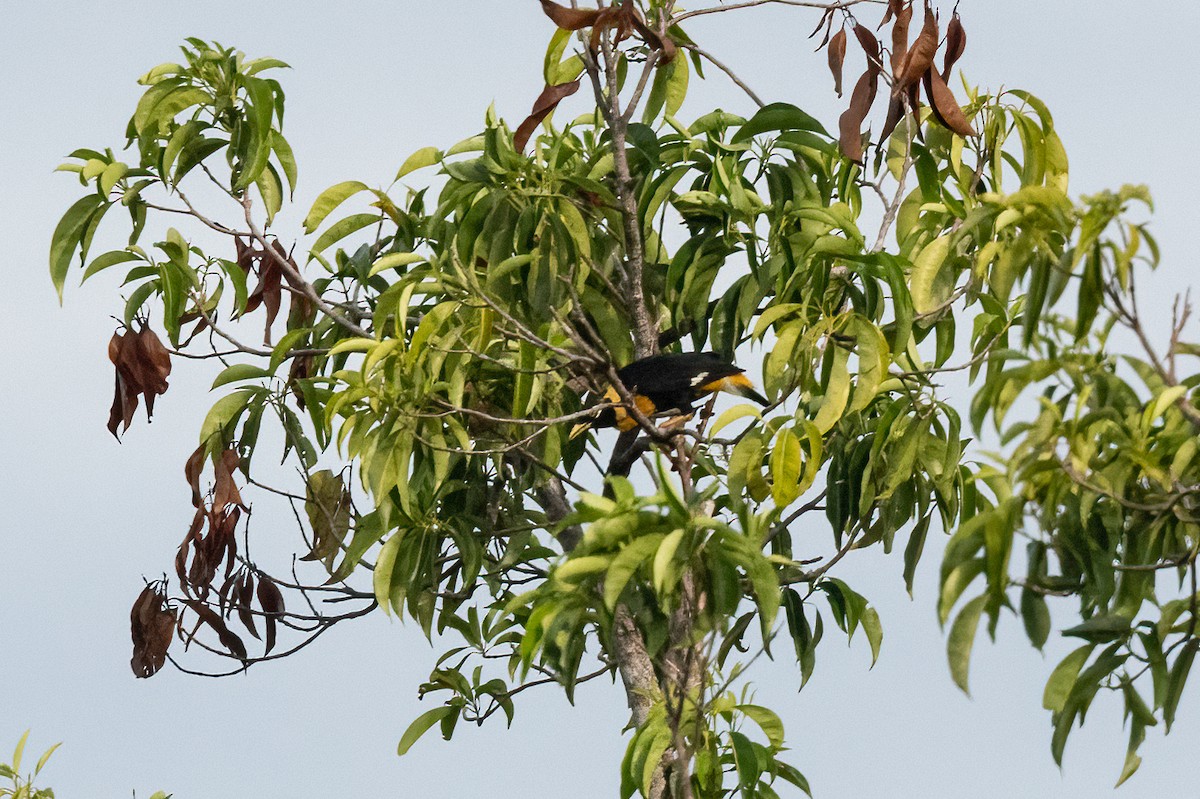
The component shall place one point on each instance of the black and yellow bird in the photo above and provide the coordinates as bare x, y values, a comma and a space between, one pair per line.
669, 384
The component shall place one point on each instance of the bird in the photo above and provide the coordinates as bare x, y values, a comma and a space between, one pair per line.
670, 383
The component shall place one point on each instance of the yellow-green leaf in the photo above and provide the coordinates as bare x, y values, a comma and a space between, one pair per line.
328, 200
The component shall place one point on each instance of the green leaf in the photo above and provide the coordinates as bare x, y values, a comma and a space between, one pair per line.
874, 632
111, 258
394, 260
16, 758
961, 641
287, 160
328, 200
109, 177
786, 463
67, 236
421, 725
1062, 679
767, 720
579, 568
343, 228
625, 564
1036, 617
928, 264
663, 558
1179, 675
1099, 629
240, 371
775, 117
837, 392
426, 156
45, 757
748, 767
223, 412
677, 86
731, 415
385, 564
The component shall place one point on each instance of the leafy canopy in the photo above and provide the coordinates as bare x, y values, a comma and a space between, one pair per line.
444, 333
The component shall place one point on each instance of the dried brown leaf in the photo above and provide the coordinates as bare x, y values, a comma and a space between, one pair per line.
837, 56
869, 44
271, 601
192, 470
903, 15
189, 540
919, 57
825, 21
232, 643
956, 43
546, 102
894, 115
125, 394
894, 8
152, 627
851, 120
571, 19
245, 598
225, 490
945, 107
655, 40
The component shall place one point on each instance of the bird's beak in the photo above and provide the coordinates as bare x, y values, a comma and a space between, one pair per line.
579, 430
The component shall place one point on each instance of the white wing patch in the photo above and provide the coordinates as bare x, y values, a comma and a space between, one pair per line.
700, 379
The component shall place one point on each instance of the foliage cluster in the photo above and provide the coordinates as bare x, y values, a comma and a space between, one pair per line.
441, 337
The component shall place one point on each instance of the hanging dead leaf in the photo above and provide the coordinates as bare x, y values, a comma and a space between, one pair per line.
956, 43
919, 57
232, 643
152, 627
894, 115
894, 8
903, 14
271, 601
837, 56
825, 22
143, 365
189, 541
192, 470
851, 120
245, 598
945, 107
656, 40
125, 397
571, 19
225, 490
546, 102
870, 46
154, 365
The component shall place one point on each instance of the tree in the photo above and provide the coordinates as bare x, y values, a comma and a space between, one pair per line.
443, 353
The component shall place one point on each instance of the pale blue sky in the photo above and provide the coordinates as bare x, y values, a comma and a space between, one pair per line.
86, 518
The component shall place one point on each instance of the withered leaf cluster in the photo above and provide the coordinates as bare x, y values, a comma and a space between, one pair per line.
209, 552
912, 66
624, 19
143, 365
211, 538
152, 625
271, 276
